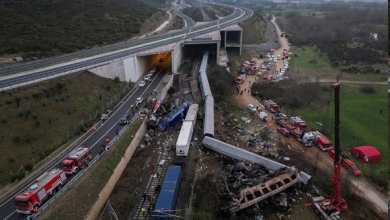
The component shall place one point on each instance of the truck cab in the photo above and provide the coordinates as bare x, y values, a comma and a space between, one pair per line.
299, 123
307, 139
76, 160
324, 144
34, 196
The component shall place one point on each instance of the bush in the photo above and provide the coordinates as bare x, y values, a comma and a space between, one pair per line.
116, 80
367, 89
313, 61
28, 167
17, 176
17, 139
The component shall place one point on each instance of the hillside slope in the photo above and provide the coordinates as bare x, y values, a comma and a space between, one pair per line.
50, 27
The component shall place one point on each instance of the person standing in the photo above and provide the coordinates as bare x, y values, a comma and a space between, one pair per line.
143, 210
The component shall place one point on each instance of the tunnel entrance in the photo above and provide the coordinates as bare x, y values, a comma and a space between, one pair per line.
194, 52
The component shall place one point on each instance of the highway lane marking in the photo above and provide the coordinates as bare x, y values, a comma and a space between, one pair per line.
12, 213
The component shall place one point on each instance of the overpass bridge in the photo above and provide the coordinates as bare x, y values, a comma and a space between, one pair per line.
130, 60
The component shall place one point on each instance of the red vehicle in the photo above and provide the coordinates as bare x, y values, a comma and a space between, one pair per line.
271, 106
283, 131
76, 160
322, 142
346, 163
299, 123
48, 184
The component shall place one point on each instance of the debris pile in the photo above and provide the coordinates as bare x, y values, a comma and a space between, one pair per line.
247, 184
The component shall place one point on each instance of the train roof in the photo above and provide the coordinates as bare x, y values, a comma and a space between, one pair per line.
167, 193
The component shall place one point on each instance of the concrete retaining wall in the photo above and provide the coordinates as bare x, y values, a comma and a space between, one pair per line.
105, 193
177, 56
111, 70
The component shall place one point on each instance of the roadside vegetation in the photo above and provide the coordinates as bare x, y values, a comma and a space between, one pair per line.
153, 22
357, 39
41, 118
194, 13
216, 11
46, 28
254, 30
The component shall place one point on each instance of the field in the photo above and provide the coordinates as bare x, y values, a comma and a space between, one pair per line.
41, 118
289, 10
310, 61
361, 123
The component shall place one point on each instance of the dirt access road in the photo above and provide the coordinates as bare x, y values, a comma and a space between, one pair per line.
366, 188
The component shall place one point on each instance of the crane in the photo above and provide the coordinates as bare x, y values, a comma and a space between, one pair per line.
329, 209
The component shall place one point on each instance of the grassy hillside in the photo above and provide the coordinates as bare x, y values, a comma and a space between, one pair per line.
47, 27
361, 121
37, 118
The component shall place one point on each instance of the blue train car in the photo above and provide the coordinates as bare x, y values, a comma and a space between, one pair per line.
166, 202
174, 116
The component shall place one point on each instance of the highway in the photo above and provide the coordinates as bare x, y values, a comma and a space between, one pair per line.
97, 139
242, 14
7, 210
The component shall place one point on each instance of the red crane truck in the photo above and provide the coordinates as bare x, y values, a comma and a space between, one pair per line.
46, 185
299, 123
271, 106
322, 142
76, 160
329, 209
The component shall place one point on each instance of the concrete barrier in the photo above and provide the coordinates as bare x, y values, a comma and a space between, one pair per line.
105, 193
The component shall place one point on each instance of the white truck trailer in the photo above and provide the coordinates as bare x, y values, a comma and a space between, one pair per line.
184, 140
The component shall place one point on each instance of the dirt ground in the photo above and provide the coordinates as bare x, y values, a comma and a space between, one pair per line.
311, 154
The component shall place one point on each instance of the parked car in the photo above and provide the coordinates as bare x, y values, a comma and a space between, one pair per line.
142, 83
153, 70
251, 108
147, 77
139, 100
283, 131
348, 164
262, 66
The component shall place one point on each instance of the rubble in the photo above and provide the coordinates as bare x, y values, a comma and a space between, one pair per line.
249, 183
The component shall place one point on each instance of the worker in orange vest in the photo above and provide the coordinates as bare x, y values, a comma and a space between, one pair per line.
94, 128
320, 157
107, 138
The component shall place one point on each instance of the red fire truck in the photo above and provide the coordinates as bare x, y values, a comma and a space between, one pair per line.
46, 185
76, 160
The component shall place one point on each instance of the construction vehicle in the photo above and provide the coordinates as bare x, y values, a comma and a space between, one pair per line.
48, 184
77, 159
299, 123
306, 138
322, 142
271, 106
329, 209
